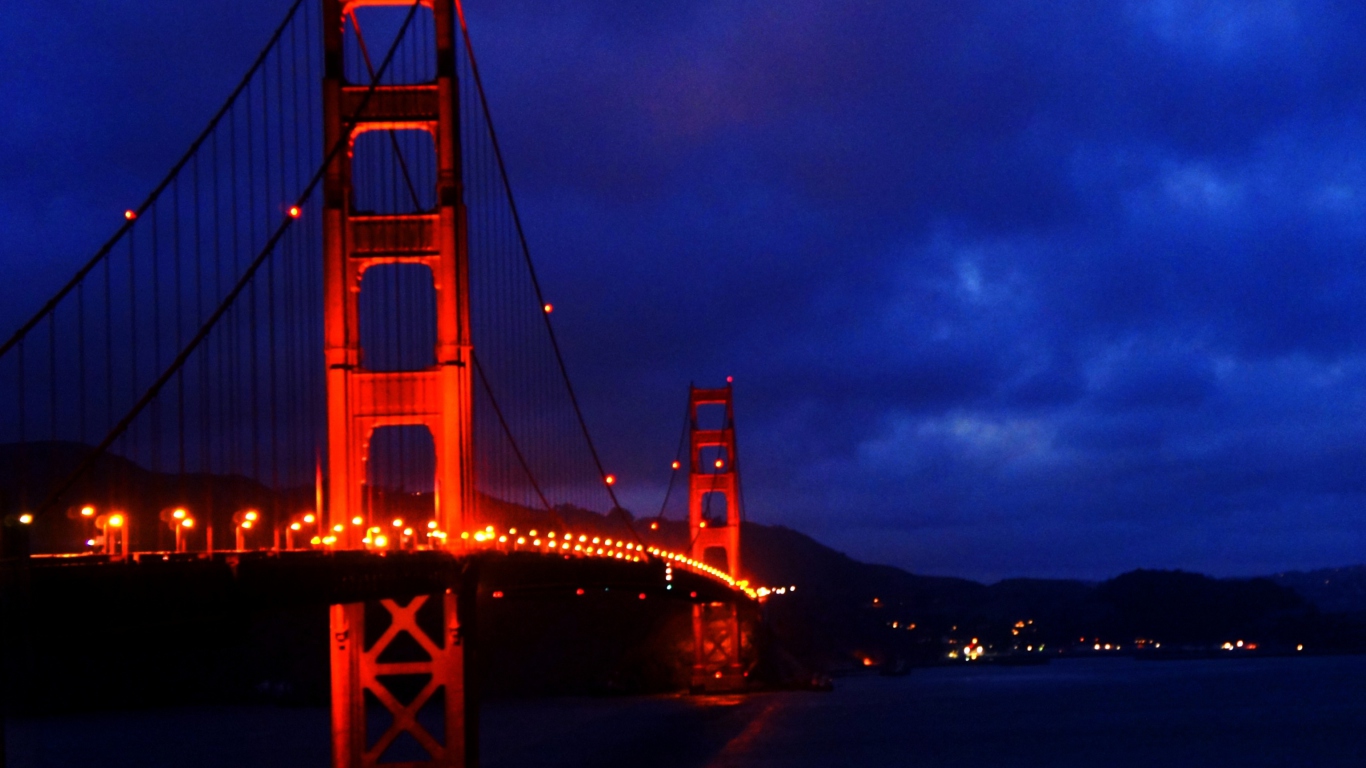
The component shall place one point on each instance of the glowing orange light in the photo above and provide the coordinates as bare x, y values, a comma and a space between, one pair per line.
295, 527
187, 522
116, 521
178, 514
381, 541
407, 531
309, 518
675, 465
251, 515
610, 479
548, 308
315, 541
654, 526
87, 511
26, 518
702, 524
356, 520
398, 522
431, 525
246, 525
720, 463
338, 527
295, 212
130, 214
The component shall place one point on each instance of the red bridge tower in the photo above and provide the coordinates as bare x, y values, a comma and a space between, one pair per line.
714, 517
360, 400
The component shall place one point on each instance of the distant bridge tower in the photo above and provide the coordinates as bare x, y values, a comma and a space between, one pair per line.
714, 517
366, 654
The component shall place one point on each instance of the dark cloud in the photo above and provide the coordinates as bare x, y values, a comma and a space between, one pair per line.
1007, 289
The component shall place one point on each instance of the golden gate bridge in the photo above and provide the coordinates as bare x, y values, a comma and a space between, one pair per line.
315, 366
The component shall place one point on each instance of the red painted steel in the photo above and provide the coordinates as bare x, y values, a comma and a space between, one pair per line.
360, 400
716, 626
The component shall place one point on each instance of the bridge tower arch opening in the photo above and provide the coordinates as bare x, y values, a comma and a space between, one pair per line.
714, 521
404, 125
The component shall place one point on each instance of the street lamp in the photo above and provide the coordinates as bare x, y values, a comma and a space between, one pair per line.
244, 521
86, 515
16, 540
113, 533
301, 522
180, 521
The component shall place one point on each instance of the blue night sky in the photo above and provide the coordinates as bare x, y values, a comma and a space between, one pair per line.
1007, 289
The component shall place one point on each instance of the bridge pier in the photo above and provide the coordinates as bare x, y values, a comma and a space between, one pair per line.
400, 692
716, 645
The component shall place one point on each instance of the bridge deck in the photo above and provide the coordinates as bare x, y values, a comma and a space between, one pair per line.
149, 581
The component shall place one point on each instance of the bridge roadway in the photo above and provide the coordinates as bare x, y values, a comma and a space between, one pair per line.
170, 582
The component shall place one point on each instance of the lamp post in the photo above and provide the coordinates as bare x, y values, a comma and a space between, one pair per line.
301, 521
113, 533
244, 521
86, 515
180, 521
16, 539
